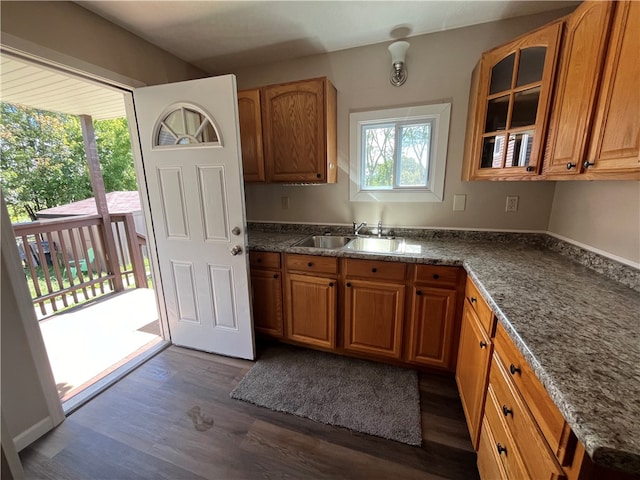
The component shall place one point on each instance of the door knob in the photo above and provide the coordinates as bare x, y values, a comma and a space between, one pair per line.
236, 231
235, 250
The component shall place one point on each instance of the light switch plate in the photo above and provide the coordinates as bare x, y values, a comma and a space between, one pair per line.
512, 203
459, 203
284, 203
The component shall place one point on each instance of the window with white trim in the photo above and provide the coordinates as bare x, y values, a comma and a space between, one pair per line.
399, 154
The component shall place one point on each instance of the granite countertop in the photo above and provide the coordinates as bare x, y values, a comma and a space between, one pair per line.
578, 329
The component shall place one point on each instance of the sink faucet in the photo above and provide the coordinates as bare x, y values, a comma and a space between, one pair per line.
358, 227
380, 228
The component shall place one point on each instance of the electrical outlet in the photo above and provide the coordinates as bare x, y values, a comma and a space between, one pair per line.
284, 203
512, 203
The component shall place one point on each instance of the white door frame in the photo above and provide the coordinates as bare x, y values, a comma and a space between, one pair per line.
49, 59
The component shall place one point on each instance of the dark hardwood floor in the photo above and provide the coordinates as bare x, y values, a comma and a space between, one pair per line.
172, 418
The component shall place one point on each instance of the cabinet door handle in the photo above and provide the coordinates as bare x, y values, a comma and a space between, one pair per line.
331, 284
530, 169
436, 276
588, 164
483, 344
419, 292
318, 175
258, 260
501, 449
275, 275
310, 264
374, 270
506, 412
513, 369
348, 285
473, 300
571, 165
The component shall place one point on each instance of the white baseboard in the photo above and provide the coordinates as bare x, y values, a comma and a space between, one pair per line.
33, 433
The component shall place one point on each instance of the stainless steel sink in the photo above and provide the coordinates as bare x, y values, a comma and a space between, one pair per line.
332, 242
394, 246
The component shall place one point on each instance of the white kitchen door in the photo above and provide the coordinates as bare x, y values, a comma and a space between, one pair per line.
190, 143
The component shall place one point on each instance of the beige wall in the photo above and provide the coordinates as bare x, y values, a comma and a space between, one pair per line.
604, 215
440, 66
71, 35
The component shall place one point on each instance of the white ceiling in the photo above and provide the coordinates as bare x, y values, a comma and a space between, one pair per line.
34, 86
218, 36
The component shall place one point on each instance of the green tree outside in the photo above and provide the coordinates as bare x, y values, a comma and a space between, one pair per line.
42, 159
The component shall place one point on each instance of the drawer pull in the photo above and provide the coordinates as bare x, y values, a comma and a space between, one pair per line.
513, 369
419, 292
473, 299
374, 270
309, 264
275, 275
436, 276
483, 344
501, 449
331, 284
348, 285
506, 412
588, 164
259, 260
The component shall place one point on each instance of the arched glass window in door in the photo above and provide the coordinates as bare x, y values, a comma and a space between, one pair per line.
185, 125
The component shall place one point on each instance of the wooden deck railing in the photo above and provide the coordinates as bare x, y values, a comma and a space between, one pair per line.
65, 261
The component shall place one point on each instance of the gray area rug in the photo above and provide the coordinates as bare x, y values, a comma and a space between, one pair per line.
364, 396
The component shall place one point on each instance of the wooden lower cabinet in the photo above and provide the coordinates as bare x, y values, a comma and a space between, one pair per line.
489, 466
373, 317
311, 309
266, 289
267, 302
474, 357
432, 325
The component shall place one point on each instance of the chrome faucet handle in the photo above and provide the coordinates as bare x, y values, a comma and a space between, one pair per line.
357, 228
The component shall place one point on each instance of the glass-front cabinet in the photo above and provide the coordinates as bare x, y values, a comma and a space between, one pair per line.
508, 108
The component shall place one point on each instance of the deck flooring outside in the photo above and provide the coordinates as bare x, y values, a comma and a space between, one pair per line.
89, 341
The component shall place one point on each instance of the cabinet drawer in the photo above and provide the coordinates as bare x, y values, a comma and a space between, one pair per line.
375, 269
489, 466
437, 275
544, 411
504, 444
312, 263
485, 315
536, 454
264, 259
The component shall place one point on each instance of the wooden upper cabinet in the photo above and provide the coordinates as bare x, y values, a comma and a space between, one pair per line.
250, 118
615, 143
584, 46
299, 127
512, 93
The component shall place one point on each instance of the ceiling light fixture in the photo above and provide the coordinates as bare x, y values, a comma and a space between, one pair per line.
399, 71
